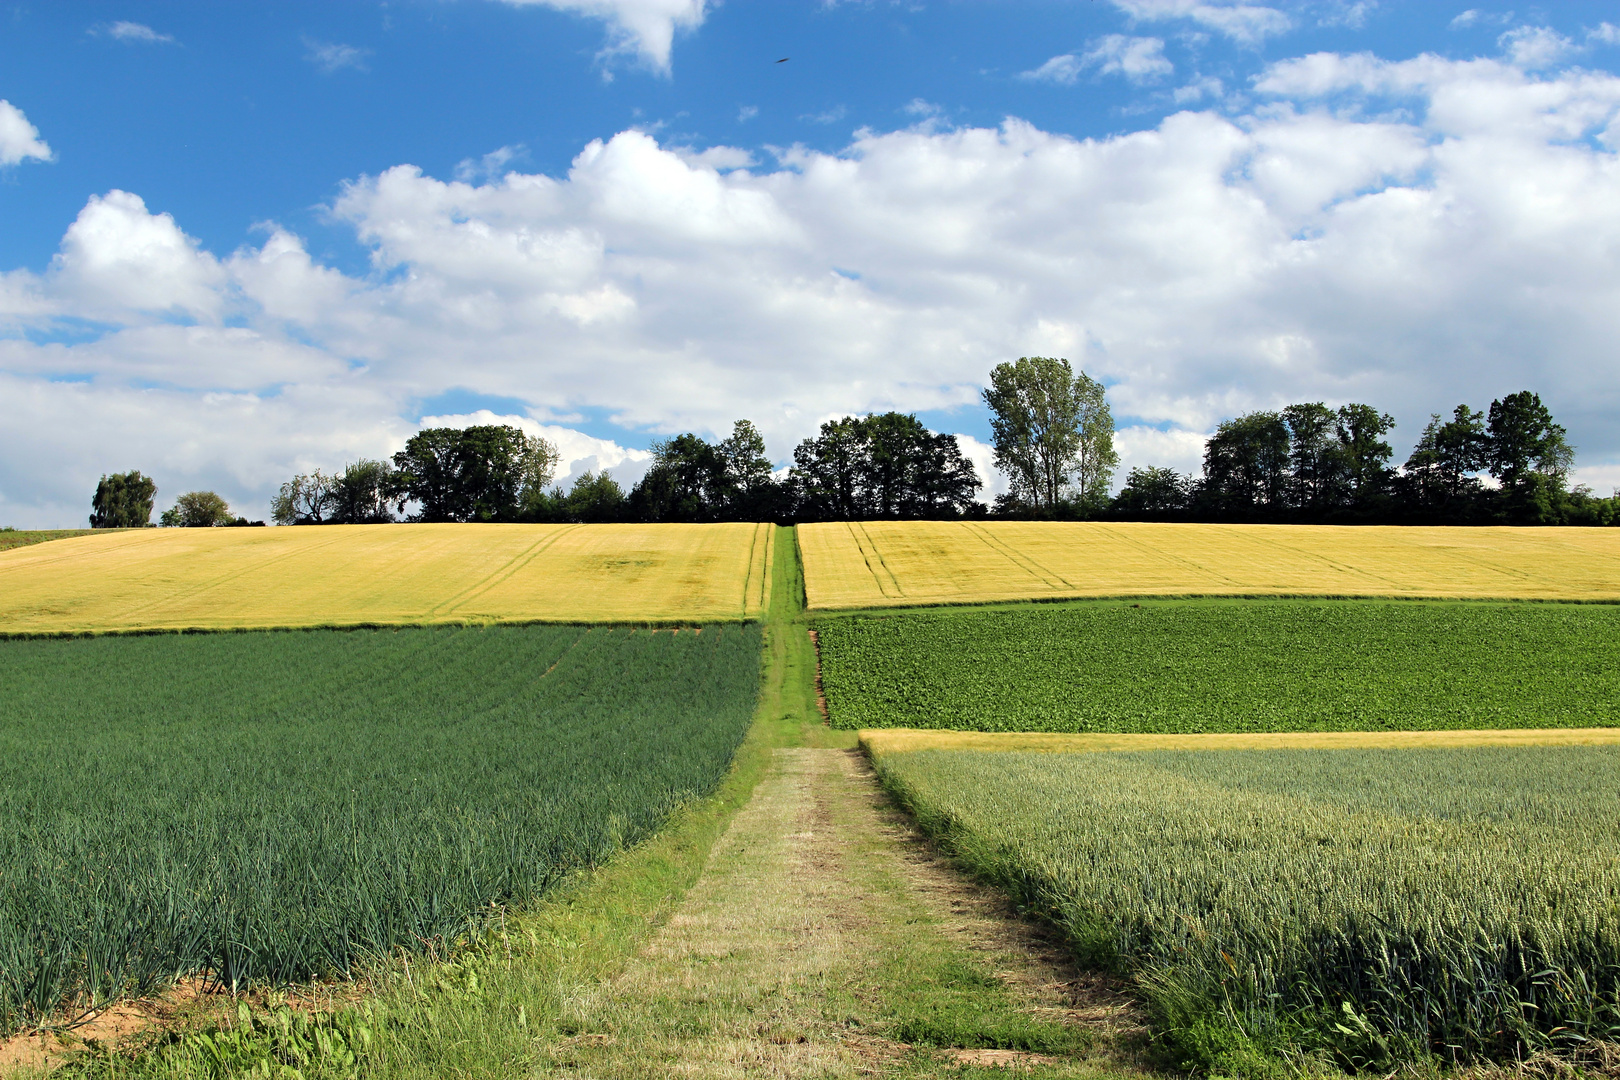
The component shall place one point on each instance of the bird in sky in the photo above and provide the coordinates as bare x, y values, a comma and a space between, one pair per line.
784, 59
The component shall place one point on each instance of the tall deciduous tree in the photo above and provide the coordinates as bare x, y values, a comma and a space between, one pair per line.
482, 473
1441, 468
306, 499
1315, 459
685, 483
1531, 457
1523, 439
1246, 465
1154, 492
1364, 452
750, 492
362, 493
1053, 432
692, 479
885, 465
198, 509
594, 498
123, 501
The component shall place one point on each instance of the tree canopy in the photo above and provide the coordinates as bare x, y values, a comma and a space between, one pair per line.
1053, 433
483, 473
884, 465
1308, 462
199, 509
123, 501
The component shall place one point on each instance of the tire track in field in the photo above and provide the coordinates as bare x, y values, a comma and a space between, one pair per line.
501, 574
767, 570
1463, 555
185, 595
864, 544
34, 562
760, 566
1034, 568
1345, 568
1124, 537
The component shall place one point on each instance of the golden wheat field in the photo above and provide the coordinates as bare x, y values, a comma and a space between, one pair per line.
898, 563
337, 575
882, 741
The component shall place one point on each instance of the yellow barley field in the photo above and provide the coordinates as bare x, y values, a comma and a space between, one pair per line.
337, 575
898, 563
900, 740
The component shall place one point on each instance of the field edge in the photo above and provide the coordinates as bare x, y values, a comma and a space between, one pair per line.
876, 742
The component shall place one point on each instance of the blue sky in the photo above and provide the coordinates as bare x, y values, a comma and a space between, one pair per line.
240, 241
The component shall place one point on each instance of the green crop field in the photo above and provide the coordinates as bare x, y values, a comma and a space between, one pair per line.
16, 538
1374, 906
1211, 666
278, 805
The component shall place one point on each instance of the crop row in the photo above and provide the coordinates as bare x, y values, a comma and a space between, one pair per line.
1371, 905
278, 806
1210, 666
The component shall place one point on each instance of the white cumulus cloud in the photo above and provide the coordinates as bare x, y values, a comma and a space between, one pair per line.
19, 140
1139, 59
1535, 46
580, 453
1317, 245
1064, 70
642, 28
118, 260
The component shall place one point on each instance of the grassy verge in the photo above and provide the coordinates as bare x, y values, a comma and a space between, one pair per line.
16, 538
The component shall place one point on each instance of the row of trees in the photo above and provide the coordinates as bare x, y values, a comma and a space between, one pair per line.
124, 501
880, 465
1053, 435
1312, 463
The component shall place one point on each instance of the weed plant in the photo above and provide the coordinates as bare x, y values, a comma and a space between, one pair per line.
1374, 906
1191, 666
279, 806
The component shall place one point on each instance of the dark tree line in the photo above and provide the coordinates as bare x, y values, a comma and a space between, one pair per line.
1054, 440
1310, 463
884, 465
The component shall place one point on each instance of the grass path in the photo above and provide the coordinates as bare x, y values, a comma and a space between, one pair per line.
824, 940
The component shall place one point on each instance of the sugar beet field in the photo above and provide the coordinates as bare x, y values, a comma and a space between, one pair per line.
1224, 666
280, 805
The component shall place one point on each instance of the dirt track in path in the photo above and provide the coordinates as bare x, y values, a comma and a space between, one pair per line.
817, 900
